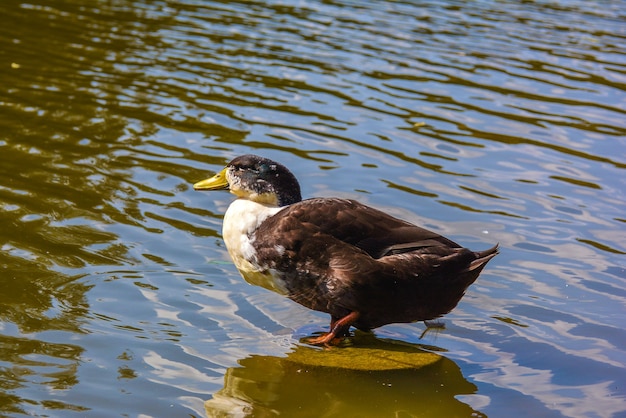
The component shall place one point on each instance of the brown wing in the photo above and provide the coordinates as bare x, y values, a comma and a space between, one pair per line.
369, 229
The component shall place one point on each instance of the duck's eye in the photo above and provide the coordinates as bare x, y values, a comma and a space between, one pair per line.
264, 168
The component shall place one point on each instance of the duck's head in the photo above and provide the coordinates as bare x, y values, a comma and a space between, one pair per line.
256, 178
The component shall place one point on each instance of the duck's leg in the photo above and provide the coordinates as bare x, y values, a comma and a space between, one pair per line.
433, 324
338, 328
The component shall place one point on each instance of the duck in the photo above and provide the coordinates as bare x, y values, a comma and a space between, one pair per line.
362, 266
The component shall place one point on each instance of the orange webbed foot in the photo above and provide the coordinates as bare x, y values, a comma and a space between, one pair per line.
338, 329
327, 339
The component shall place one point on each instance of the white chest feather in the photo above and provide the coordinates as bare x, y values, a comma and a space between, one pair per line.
242, 218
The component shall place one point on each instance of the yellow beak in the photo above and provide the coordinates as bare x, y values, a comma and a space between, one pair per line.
217, 182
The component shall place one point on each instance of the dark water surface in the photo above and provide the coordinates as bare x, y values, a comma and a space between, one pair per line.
487, 121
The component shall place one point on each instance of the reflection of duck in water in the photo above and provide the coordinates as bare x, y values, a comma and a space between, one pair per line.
376, 378
362, 266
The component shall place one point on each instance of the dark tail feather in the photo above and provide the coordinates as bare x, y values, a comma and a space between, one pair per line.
482, 258
452, 294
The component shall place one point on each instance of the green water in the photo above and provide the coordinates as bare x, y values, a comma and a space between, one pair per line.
486, 121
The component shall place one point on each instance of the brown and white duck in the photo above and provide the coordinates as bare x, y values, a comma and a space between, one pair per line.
360, 265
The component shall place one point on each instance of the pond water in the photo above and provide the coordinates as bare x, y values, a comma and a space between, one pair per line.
486, 121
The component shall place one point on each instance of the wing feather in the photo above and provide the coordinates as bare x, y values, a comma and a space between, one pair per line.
369, 229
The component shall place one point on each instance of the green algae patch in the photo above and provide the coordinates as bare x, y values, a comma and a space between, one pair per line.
365, 354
